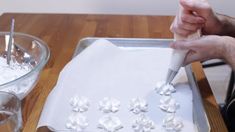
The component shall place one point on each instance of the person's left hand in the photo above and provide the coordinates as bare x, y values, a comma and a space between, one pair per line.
204, 48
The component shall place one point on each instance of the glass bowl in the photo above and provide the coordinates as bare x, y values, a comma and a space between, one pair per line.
27, 51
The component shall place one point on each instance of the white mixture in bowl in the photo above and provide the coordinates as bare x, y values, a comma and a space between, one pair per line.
13, 71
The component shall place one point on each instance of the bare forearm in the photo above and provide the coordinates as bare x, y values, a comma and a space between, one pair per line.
229, 51
227, 25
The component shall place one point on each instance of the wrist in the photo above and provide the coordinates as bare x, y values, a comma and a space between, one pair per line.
222, 24
215, 24
228, 54
226, 26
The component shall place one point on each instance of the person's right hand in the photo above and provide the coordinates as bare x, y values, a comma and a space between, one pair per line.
196, 14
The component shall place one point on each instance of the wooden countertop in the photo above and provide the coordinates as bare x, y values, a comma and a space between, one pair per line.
62, 32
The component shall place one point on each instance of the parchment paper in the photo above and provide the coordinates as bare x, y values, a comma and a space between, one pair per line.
104, 70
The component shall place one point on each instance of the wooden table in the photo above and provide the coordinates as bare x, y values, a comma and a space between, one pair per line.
62, 32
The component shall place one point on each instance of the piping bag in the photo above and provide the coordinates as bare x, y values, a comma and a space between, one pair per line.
178, 56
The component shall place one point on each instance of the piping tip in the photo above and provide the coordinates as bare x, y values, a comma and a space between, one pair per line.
170, 76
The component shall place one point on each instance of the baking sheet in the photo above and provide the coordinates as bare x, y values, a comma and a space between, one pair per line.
199, 114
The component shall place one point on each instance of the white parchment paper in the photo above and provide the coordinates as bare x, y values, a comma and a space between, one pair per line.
104, 70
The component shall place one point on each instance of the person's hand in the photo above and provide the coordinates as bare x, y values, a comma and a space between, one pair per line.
204, 48
196, 14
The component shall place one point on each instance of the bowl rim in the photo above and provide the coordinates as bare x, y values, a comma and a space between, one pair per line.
45, 57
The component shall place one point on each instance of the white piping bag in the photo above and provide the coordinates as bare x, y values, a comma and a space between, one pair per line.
178, 56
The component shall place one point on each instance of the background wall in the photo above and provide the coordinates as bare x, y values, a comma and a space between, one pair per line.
145, 7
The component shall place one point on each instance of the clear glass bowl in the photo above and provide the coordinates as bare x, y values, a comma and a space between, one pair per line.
28, 50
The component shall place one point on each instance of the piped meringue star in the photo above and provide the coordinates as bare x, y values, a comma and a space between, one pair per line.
79, 104
143, 124
107, 105
164, 89
138, 105
170, 123
168, 104
110, 123
77, 122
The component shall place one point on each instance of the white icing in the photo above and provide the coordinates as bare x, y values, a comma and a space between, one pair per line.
168, 104
110, 123
164, 89
79, 104
138, 105
77, 122
108, 105
143, 124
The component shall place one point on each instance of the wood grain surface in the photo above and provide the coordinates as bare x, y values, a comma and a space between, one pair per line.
62, 32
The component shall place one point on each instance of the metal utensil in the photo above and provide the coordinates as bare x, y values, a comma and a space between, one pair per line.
10, 41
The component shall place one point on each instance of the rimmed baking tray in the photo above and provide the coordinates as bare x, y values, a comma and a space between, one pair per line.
201, 122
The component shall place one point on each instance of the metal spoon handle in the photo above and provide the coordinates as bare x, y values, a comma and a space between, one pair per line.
10, 41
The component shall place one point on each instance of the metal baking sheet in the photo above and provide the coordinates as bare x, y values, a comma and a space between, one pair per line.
199, 115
